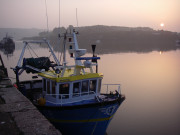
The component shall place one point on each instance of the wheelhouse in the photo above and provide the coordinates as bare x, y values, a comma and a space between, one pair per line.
71, 91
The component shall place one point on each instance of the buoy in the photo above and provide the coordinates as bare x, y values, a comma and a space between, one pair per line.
42, 101
15, 85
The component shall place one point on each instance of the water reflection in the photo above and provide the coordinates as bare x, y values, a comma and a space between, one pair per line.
8, 50
151, 85
111, 46
150, 82
7, 45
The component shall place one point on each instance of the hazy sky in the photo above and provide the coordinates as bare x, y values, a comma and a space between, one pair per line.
131, 13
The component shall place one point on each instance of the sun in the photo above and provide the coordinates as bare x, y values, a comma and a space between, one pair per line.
162, 24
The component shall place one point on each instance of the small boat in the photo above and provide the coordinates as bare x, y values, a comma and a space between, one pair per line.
7, 42
70, 96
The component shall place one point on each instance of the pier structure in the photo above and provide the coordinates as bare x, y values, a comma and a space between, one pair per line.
17, 114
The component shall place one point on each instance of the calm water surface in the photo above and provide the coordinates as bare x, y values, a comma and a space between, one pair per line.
150, 82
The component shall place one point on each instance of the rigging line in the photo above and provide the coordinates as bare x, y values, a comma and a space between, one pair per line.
61, 56
59, 51
76, 18
47, 60
29, 50
49, 56
33, 51
46, 16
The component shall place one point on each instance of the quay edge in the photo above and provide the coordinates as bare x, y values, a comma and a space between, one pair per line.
19, 116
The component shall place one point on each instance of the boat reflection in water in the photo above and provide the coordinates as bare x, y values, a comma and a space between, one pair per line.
70, 96
7, 45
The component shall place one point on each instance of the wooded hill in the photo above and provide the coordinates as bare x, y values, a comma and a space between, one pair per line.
114, 39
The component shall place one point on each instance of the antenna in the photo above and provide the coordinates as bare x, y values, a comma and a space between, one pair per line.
59, 17
76, 18
46, 16
59, 35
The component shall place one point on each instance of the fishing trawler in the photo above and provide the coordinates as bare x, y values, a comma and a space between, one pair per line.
69, 96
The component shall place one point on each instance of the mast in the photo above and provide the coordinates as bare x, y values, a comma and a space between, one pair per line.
76, 48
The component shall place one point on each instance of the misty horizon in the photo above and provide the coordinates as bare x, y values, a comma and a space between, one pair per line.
159, 15
50, 30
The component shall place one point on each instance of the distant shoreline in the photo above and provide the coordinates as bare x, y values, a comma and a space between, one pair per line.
112, 39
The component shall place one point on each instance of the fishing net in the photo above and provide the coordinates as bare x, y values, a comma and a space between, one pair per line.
39, 63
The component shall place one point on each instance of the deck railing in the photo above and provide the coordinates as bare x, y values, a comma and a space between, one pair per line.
118, 87
62, 97
81, 95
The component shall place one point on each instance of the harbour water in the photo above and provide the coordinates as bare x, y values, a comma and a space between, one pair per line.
150, 81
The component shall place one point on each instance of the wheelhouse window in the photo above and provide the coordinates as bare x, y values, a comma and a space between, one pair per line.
92, 86
53, 88
76, 89
64, 90
99, 85
48, 87
84, 88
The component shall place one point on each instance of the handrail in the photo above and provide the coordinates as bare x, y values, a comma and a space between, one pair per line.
118, 85
71, 94
61, 95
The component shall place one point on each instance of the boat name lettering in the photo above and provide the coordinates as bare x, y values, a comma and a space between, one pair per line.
108, 111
